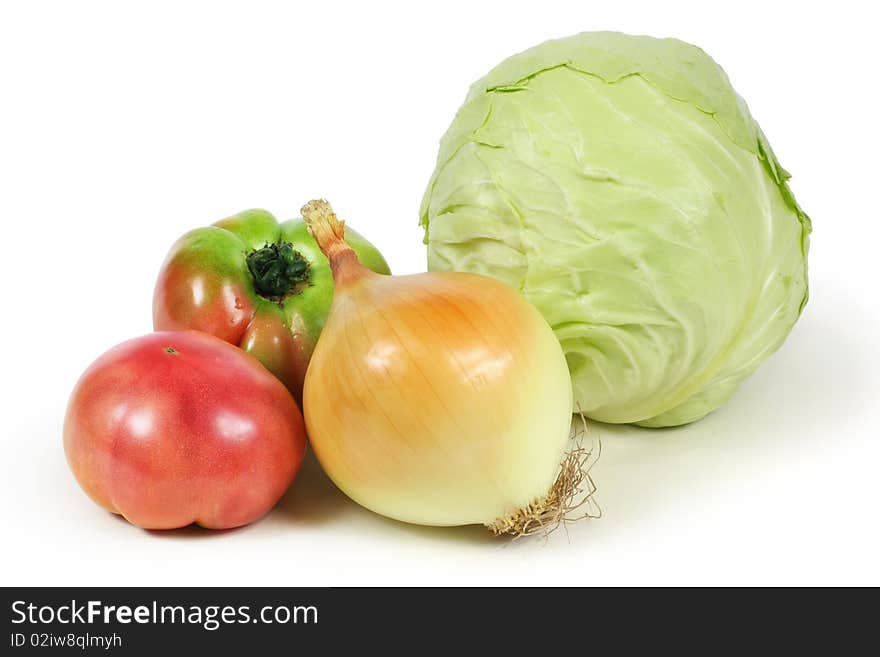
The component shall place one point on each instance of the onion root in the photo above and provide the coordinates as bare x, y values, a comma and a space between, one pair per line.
570, 498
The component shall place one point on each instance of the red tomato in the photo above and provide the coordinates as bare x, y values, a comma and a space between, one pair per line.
180, 427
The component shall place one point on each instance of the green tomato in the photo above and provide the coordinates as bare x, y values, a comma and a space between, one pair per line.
259, 284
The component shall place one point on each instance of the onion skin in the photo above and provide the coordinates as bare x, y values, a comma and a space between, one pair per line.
436, 399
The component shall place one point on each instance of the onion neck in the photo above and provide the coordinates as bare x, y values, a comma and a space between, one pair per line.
347, 268
329, 232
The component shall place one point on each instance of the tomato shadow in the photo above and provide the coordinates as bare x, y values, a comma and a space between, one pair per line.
313, 499
195, 532
190, 532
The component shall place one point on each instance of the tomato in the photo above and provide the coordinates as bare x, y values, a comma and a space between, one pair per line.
263, 286
180, 427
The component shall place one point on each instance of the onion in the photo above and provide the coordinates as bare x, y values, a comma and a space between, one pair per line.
439, 398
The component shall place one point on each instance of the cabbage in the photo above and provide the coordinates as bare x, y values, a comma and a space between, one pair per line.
621, 184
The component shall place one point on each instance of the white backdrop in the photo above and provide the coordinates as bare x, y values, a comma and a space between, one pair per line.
124, 124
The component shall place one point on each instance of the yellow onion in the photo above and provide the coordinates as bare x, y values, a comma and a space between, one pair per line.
438, 398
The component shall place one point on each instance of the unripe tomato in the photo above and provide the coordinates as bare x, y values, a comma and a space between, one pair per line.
259, 284
180, 427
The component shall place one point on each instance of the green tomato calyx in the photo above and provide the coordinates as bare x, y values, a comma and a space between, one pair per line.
278, 270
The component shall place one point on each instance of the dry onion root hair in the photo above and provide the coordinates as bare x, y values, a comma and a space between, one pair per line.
570, 498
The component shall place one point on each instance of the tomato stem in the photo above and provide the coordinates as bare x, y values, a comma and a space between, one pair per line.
278, 271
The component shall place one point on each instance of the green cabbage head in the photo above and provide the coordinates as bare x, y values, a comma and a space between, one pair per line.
621, 184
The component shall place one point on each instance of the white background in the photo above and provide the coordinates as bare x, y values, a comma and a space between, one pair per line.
122, 125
